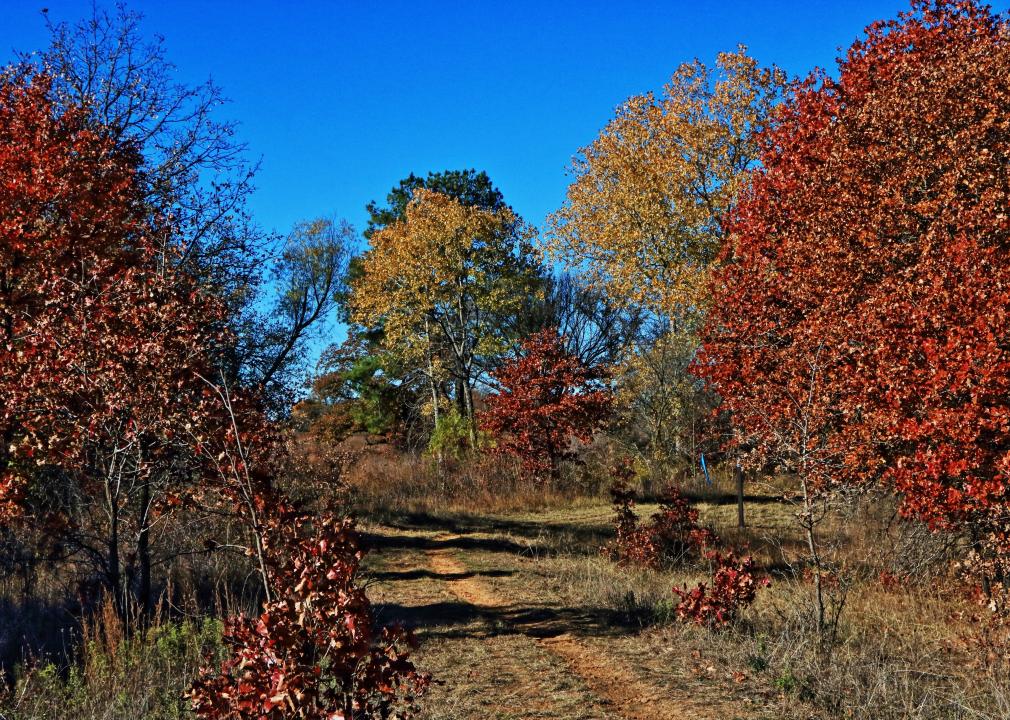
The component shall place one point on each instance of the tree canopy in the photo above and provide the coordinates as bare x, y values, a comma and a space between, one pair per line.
859, 325
643, 215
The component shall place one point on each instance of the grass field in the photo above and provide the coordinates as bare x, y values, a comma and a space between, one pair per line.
518, 615
522, 619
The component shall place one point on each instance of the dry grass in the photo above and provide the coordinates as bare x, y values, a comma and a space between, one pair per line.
917, 648
384, 483
119, 672
907, 649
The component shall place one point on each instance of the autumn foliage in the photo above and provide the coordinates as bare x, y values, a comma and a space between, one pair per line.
315, 651
860, 322
101, 342
439, 281
734, 586
671, 535
547, 399
642, 216
813, 276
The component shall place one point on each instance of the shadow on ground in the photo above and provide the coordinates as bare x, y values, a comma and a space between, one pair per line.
457, 619
378, 541
587, 534
420, 574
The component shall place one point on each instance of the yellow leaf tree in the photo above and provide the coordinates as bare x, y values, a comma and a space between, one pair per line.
442, 282
643, 221
643, 216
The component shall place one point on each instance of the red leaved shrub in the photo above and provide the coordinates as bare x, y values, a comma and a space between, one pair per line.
314, 653
676, 526
734, 587
671, 534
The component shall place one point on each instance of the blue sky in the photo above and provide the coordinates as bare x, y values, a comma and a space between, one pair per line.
342, 99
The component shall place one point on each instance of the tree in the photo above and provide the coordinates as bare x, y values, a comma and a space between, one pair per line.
99, 342
469, 187
644, 221
438, 281
667, 411
858, 331
193, 169
546, 399
596, 328
643, 214
308, 278
359, 388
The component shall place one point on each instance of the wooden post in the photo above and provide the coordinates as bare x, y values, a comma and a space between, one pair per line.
739, 496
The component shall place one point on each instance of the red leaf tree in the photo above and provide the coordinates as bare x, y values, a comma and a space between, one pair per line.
100, 342
860, 329
546, 399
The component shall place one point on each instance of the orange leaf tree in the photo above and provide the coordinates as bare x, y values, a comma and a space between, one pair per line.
860, 329
643, 220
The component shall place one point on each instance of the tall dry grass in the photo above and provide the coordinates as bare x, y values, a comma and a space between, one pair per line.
118, 671
394, 483
911, 640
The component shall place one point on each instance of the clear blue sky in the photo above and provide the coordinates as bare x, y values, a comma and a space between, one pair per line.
342, 99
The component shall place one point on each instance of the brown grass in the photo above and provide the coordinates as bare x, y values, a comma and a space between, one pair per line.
914, 648
393, 483
917, 646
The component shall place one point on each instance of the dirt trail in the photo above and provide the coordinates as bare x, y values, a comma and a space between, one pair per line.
484, 673
628, 695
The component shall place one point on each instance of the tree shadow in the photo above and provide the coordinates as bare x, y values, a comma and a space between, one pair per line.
579, 533
422, 574
35, 629
458, 619
728, 498
380, 541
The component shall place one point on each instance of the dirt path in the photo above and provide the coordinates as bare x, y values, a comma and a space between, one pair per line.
621, 690
485, 670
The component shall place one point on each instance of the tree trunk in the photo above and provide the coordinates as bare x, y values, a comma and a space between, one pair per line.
144, 552
976, 543
808, 525
460, 399
113, 572
431, 373
738, 471
470, 414
465, 363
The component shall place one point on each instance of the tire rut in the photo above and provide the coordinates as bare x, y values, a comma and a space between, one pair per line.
621, 689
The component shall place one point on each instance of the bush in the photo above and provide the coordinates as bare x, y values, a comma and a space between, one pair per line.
672, 533
734, 587
314, 653
451, 436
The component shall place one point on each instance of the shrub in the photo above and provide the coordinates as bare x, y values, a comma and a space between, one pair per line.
676, 527
314, 653
451, 436
734, 587
672, 533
